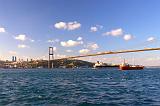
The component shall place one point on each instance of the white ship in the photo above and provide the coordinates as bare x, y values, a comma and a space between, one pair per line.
103, 65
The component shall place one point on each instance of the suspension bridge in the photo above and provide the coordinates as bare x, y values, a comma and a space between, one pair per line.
51, 53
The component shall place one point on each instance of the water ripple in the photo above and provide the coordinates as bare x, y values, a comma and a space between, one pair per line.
79, 87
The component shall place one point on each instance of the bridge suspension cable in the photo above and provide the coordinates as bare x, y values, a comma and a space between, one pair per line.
113, 52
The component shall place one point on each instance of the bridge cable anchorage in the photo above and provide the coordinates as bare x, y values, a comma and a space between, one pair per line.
113, 52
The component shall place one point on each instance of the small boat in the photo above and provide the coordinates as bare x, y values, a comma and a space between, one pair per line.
126, 66
104, 65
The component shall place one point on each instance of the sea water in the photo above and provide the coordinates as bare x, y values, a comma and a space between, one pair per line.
79, 87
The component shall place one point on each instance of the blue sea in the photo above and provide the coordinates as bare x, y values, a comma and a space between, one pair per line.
79, 87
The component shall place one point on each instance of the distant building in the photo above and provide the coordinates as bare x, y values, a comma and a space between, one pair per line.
14, 58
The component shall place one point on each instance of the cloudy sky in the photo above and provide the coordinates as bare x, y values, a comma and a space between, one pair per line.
76, 27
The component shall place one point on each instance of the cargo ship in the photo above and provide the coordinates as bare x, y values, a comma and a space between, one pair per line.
104, 65
126, 66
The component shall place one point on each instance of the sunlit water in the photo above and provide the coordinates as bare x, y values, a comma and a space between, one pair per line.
82, 87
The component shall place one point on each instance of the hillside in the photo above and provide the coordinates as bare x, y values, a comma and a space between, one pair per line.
65, 63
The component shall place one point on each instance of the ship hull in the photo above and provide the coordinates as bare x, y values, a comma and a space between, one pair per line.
106, 66
131, 68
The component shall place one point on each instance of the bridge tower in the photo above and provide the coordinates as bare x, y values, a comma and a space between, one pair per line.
51, 57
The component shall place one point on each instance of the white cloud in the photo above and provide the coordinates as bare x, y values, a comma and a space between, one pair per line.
53, 40
115, 32
57, 40
93, 29
127, 37
71, 43
2, 29
23, 37
12, 52
50, 41
96, 28
79, 38
22, 46
153, 58
99, 26
60, 25
20, 37
69, 26
73, 25
92, 46
84, 51
69, 51
151, 39
31, 40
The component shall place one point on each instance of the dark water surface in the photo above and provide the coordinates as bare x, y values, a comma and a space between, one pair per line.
79, 87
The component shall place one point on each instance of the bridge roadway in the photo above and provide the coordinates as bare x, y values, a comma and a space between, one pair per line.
113, 52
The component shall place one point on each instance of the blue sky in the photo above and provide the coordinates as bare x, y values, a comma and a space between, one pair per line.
74, 27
